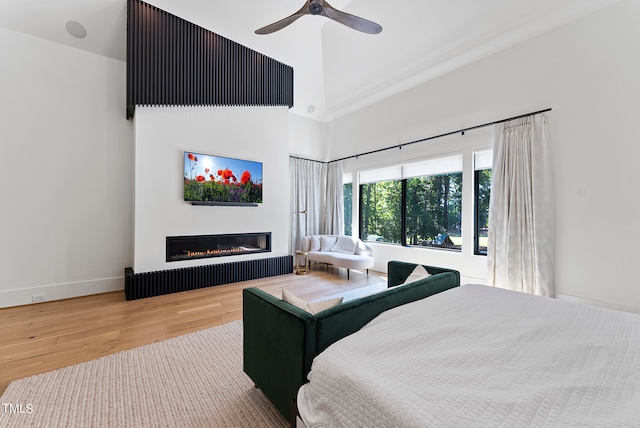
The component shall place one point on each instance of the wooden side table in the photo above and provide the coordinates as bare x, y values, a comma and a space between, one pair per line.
302, 269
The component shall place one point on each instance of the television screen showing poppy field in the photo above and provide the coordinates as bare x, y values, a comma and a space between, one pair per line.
218, 179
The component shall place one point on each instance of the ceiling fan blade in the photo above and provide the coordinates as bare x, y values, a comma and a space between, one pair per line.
279, 25
349, 20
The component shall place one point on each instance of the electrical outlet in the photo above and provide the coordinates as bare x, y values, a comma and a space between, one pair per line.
38, 298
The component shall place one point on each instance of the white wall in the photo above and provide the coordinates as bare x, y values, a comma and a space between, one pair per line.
473, 268
307, 138
588, 72
66, 170
66, 156
163, 134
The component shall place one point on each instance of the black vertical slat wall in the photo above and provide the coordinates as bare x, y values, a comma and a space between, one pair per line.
149, 284
172, 62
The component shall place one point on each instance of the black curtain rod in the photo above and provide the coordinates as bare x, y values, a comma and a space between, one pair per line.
310, 160
442, 135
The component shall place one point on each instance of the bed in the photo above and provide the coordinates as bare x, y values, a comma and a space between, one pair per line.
478, 356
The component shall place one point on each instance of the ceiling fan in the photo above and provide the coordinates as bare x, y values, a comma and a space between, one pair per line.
321, 7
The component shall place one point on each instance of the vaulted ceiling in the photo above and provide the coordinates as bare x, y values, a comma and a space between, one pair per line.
337, 69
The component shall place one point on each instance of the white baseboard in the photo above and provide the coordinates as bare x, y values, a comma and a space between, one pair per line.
19, 297
600, 303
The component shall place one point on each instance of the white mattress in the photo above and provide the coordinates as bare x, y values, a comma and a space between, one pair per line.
477, 356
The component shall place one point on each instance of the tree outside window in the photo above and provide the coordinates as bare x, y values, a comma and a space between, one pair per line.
434, 211
347, 191
419, 211
380, 215
482, 196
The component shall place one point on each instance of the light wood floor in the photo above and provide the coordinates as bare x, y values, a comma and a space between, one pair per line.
47, 336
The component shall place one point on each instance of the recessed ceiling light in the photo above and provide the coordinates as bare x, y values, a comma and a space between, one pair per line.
311, 108
76, 29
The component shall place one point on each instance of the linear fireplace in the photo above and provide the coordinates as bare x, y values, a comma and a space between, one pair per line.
204, 246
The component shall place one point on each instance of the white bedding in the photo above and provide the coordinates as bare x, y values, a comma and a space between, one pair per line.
477, 356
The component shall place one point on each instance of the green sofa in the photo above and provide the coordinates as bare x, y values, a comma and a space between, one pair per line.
281, 340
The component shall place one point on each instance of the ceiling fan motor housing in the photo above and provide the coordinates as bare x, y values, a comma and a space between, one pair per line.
315, 8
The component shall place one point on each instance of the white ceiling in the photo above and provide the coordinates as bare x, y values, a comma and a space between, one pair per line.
336, 69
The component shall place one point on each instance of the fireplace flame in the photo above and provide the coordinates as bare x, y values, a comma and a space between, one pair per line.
197, 247
237, 250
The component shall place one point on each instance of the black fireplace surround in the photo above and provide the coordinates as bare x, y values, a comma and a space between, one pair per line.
149, 284
204, 246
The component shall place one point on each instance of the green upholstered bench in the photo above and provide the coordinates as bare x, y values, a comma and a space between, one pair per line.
281, 340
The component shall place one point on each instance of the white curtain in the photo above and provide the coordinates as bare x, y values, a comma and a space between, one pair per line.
520, 248
334, 211
308, 181
316, 199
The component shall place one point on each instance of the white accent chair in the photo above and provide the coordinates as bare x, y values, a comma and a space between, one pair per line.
338, 250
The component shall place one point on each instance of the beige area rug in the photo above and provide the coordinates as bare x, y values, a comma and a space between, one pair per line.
195, 380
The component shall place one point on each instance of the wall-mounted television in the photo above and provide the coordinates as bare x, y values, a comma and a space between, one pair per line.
217, 180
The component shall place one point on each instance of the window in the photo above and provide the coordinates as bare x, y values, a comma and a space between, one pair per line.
414, 204
380, 211
434, 211
347, 191
482, 192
